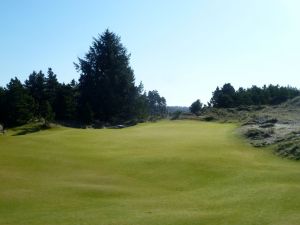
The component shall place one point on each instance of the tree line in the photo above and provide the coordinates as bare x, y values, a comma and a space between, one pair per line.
105, 93
227, 96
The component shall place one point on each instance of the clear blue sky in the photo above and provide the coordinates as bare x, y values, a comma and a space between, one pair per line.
184, 49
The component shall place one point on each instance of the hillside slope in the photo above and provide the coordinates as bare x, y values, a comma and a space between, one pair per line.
168, 173
277, 126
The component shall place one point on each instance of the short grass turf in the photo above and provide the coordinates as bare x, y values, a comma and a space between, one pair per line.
165, 173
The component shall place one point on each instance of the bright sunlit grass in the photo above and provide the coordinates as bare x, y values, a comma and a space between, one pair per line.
165, 173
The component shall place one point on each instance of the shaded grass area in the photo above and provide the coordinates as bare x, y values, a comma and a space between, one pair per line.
28, 129
171, 172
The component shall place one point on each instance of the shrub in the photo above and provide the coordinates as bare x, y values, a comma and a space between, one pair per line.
176, 115
289, 149
258, 134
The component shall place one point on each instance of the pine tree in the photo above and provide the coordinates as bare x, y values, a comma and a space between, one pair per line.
20, 104
142, 106
46, 113
106, 82
2, 105
66, 102
157, 104
51, 89
196, 107
36, 85
224, 97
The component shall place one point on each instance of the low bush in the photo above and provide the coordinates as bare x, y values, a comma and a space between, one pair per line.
289, 150
176, 115
258, 134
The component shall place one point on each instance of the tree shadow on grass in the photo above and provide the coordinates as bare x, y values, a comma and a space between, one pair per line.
30, 129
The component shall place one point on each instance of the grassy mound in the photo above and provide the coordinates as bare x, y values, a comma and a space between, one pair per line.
293, 103
169, 173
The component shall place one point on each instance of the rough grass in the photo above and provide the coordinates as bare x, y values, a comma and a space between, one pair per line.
165, 173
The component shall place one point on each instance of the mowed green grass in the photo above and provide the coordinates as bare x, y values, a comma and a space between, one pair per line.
165, 173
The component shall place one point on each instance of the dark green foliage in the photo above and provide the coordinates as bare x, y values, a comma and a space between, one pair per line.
106, 92
30, 128
36, 85
196, 107
66, 102
258, 134
227, 97
19, 105
42, 98
289, 149
289, 146
86, 113
107, 80
141, 104
52, 99
209, 118
51, 90
223, 98
176, 115
2, 105
46, 112
157, 104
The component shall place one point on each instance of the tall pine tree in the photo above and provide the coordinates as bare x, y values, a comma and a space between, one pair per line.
51, 89
36, 85
106, 82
